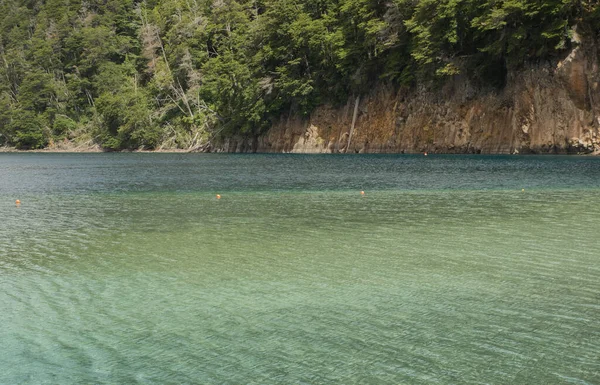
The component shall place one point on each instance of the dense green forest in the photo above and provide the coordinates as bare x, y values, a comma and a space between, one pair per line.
140, 74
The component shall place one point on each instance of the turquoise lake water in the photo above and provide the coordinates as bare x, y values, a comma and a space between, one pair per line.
126, 269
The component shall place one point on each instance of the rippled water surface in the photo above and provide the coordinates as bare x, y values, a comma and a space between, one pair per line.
125, 268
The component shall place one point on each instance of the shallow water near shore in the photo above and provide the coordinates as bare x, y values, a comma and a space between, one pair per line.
125, 268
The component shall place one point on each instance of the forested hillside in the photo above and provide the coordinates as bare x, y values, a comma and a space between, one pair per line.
177, 73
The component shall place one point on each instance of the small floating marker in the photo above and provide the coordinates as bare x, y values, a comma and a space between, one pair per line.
18, 202
362, 193
522, 190
425, 153
218, 196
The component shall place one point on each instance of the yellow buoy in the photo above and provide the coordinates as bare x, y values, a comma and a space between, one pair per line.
522, 190
218, 196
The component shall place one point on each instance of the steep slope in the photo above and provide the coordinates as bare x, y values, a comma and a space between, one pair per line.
547, 108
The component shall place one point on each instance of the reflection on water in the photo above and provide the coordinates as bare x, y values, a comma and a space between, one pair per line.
125, 268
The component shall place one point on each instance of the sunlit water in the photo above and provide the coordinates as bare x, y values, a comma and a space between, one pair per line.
125, 268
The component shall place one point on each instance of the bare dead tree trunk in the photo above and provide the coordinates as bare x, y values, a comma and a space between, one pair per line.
354, 117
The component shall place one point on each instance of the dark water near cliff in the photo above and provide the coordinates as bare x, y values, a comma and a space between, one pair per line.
124, 268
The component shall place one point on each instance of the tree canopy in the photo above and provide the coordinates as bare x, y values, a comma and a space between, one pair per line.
133, 74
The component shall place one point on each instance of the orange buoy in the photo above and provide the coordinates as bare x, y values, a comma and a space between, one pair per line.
18, 202
362, 193
218, 196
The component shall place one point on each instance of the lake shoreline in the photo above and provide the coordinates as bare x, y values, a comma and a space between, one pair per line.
86, 150
97, 149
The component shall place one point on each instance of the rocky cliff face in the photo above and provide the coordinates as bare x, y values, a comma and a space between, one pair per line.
549, 108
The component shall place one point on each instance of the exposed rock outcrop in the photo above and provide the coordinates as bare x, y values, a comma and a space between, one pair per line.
547, 108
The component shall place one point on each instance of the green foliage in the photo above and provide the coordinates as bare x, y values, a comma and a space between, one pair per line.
29, 130
62, 126
178, 72
125, 121
521, 29
6, 133
36, 91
